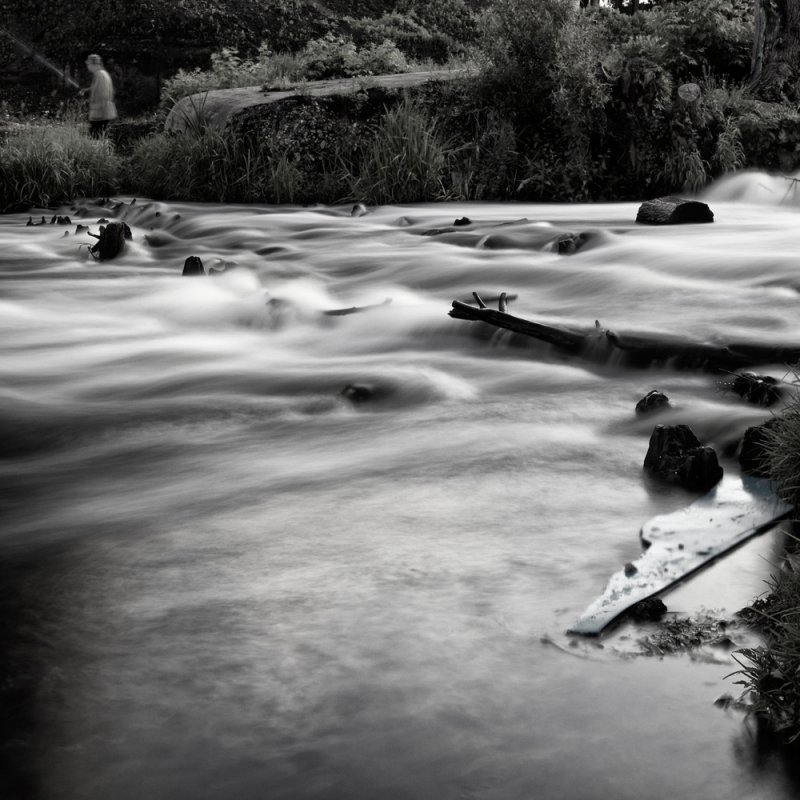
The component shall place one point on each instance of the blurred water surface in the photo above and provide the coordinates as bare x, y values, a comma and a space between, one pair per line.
222, 577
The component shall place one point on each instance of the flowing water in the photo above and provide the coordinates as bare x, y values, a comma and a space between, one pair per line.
225, 576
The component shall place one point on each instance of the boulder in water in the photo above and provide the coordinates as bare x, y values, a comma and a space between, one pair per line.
652, 401
760, 390
358, 393
673, 211
675, 455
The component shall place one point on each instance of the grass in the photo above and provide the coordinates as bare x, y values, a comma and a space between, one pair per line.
45, 165
770, 673
405, 160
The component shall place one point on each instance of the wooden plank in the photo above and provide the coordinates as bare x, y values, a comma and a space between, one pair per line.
685, 541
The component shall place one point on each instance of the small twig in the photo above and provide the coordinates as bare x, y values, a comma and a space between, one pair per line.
478, 300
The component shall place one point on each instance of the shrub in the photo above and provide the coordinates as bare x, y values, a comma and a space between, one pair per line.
334, 56
520, 40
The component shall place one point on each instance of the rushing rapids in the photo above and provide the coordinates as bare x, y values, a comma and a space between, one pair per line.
252, 548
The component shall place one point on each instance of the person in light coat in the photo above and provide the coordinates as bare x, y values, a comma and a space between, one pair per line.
101, 97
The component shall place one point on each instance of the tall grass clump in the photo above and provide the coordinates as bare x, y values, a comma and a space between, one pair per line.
771, 673
47, 165
404, 161
204, 166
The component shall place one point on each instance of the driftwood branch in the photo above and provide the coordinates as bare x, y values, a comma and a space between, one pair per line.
639, 350
343, 312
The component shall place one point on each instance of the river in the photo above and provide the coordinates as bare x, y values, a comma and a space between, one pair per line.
222, 577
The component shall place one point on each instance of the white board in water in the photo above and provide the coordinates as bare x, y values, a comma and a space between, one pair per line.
685, 541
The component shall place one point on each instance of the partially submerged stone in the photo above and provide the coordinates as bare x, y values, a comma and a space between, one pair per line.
675, 455
652, 401
673, 211
760, 390
753, 457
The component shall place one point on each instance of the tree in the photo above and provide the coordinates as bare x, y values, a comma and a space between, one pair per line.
776, 50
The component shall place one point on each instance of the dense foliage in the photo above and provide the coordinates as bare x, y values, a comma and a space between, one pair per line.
567, 102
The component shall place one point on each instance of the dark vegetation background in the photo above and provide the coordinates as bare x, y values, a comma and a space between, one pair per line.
562, 99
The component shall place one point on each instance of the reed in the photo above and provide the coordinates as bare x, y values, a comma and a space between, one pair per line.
46, 165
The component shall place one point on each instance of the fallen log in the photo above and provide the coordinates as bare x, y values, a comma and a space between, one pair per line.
635, 350
561, 337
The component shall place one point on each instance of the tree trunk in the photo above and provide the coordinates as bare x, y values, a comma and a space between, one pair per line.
776, 49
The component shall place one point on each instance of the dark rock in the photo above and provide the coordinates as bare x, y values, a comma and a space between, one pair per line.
111, 241
760, 390
651, 609
568, 243
652, 401
753, 455
359, 210
357, 392
675, 455
461, 221
630, 570
193, 266
673, 211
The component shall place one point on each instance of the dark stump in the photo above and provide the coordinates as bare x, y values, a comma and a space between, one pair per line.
193, 266
111, 241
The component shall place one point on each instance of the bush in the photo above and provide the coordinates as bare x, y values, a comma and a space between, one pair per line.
335, 56
520, 39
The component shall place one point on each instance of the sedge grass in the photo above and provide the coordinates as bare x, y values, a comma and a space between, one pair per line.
771, 673
46, 165
405, 160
